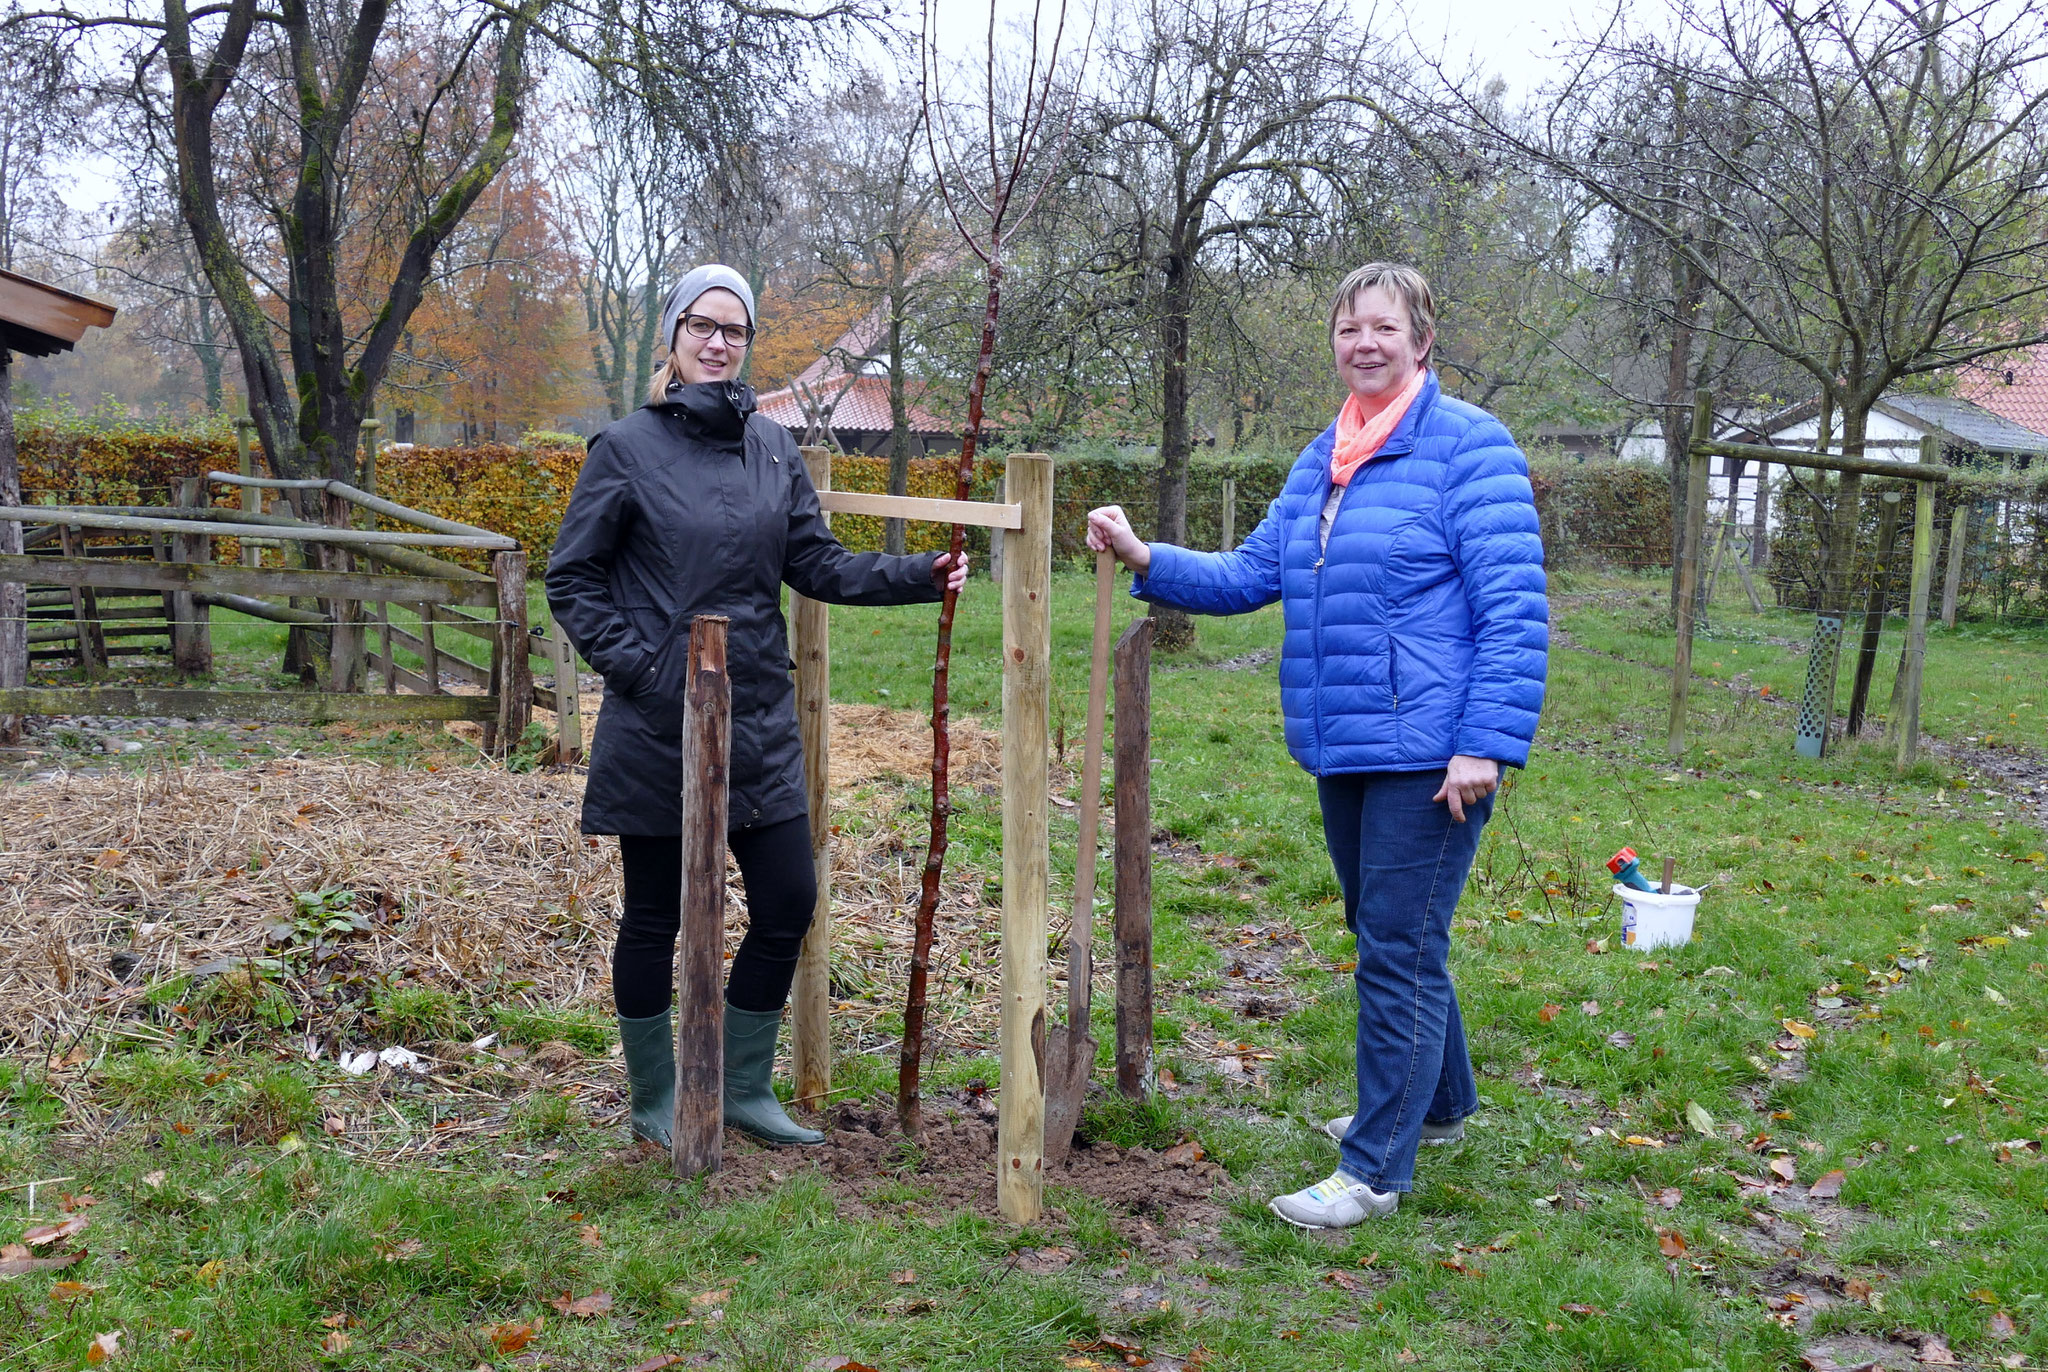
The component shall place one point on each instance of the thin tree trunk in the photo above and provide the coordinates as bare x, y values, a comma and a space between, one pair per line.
1175, 631
909, 1100
1677, 418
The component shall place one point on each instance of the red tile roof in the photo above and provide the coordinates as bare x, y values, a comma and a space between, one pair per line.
863, 408
2014, 387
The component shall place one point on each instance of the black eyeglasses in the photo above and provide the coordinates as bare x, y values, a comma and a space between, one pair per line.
703, 326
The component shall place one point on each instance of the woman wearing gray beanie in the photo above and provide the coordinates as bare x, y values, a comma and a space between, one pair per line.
691, 505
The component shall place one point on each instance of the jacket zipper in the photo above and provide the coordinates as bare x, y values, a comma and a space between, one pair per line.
1316, 638
1393, 670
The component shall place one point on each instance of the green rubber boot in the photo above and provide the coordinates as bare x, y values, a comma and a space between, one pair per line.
750, 1103
650, 1051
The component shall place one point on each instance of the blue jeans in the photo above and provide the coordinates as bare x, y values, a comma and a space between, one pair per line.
1402, 862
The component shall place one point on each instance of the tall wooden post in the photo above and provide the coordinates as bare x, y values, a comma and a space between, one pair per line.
568, 698
1906, 720
252, 496
700, 950
1027, 701
513, 680
430, 649
1873, 610
811, 1001
1689, 566
1958, 525
13, 594
1135, 1073
85, 607
1229, 538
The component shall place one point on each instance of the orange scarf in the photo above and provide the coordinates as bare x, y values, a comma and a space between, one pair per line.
1359, 439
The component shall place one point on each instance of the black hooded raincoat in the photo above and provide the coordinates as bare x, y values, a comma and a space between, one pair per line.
699, 506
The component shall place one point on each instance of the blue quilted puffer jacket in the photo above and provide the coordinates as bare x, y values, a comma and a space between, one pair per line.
1422, 631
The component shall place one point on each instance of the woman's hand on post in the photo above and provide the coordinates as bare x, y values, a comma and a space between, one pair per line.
1109, 529
1467, 781
948, 575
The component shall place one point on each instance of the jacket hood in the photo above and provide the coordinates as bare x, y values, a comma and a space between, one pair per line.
714, 412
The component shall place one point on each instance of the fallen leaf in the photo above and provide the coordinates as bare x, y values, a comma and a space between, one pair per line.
153, 1180
907, 1277
69, 1203
1405, 1355
1934, 1351
836, 1364
43, 1235
1785, 1168
110, 858
1983, 1295
1576, 1308
583, 1307
512, 1335
1344, 1281
1589, 1007
181, 1336
1370, 1258
338, 1320
65, 1292
103, 1347
1799, 1028
661, 1360
2002, 1326
210, 1272
1642, 1141
1548, 1013
1181, 1154
1828, 1186
14, 1264
1671, 1243
1621, 1038
589, 1236
705, 1299
1669, 1197
1696, 1115
336, 1342
1857, 1289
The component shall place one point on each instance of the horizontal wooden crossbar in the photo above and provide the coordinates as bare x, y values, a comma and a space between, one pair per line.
273, 707
81, 517
978, 513
253, 581
1826, 462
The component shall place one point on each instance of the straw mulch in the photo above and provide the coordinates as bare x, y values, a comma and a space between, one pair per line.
474, 878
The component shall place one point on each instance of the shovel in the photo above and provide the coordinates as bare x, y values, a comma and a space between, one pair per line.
1070, 1048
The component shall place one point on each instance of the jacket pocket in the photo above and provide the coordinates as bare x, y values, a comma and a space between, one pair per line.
1394, 670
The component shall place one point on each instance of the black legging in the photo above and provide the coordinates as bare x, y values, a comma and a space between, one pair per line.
775, 866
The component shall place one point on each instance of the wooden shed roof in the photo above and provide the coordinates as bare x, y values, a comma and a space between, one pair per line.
38, 319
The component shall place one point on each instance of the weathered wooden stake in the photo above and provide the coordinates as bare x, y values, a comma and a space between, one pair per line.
514, 679
1873, 610
1958, 525
1027, 701
1906, 725
430, 650
700, 948
1689, 566
1229, 539
346, 670
85, 609
811, 1001
1135, 1072
384, 646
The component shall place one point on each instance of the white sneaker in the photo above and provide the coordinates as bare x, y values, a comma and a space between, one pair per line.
1433, 1135
1335, 1202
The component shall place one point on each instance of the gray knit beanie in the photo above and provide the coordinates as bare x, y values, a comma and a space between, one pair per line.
710, 276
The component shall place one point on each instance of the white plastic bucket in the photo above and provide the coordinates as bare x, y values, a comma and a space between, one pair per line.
1651, 919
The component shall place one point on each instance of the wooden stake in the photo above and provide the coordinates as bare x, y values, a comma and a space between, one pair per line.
514, 680
430, 651
345, 668
1027, 700
1135, 1071
1229, 539
1958, 525
85, 609
191, 632
568, 698
1689, 566
700, 952
1906, 727
1873, 610
384, 647
811, 999
252, 496
1670, 871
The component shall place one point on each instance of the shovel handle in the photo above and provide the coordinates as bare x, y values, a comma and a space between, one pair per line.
1081, 929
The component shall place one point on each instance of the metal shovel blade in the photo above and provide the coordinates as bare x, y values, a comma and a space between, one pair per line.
1070, 1048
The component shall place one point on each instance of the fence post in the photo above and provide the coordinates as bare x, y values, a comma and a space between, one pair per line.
1027, 701
700, 953
1689, 565
1229, 539
191, 622
345, 668
1906, 719
568, 698
1958, 525
430, 651
1135, 1074
252, 496
811, 1006
13, 594
1873, 612
514, 678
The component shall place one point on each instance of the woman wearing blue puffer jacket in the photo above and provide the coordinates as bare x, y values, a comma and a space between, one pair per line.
1406, 556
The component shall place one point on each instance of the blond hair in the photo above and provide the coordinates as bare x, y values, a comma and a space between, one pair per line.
666, 374
1404, 283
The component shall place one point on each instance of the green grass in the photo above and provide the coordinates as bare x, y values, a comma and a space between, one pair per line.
1835, 881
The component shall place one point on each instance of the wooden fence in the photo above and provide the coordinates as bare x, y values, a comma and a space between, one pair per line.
337, 578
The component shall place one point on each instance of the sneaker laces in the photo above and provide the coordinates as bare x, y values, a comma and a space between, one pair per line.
1334, 1187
